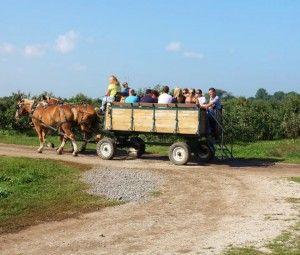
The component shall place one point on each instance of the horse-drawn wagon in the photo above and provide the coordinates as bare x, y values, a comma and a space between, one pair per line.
187, 123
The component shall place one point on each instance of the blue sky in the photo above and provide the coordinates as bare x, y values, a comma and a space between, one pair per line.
68, 47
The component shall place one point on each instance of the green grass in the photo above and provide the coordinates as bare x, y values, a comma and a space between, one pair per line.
160, 150
285, 150
10, 137
288, 243
295, 179
37, 190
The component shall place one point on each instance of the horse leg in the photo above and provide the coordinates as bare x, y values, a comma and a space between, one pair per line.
41, 135
86, 135
61, 147
48, 144
69, 134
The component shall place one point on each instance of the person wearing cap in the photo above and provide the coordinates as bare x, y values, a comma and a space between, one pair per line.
164, 97
147, 98
132, 98
125, 90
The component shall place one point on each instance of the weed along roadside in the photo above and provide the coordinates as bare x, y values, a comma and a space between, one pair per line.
37, 190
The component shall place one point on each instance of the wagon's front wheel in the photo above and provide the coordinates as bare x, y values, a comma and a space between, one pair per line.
106, 148
179, 153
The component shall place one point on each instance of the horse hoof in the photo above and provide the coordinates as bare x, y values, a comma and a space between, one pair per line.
59, 152
75, 154
39, 151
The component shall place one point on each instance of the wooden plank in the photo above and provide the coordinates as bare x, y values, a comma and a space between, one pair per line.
165, 120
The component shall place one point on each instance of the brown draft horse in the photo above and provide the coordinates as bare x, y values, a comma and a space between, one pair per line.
84, 116
58, 116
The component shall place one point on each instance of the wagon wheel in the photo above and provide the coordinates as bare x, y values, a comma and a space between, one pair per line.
204, 153
106, 148
179, 153
137, 147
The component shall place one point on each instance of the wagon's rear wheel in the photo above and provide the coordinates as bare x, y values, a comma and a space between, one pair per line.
179, 153
137, 147
204, 153
106, 148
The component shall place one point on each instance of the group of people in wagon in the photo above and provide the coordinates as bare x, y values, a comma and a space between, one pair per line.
123, 93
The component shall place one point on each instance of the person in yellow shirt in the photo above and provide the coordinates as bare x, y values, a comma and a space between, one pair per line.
113, 89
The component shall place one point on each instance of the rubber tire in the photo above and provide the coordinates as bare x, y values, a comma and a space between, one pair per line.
109, 144
180, 147
204, 153
139, 145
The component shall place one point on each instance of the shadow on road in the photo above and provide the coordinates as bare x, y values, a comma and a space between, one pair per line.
236, 162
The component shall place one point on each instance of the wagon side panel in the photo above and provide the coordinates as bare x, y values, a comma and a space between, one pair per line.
143, 120
188, 122
118, 119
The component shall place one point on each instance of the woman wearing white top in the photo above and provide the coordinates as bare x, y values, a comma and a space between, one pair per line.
201, 100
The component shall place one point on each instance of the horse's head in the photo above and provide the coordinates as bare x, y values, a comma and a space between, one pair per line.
24, 106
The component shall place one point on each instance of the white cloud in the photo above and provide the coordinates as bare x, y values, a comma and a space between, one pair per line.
36, 50
191, 54
7, 48
66, 42
174, 46
178, 47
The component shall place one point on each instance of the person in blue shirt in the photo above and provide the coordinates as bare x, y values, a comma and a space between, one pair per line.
125, 90
132, 98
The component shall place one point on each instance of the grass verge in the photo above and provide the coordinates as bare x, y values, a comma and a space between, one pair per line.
285, 150
37, 190
10, 137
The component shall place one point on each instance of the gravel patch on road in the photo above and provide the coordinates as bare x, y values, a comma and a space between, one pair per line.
122, 184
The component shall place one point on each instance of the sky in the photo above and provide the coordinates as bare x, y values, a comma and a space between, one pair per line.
69, 47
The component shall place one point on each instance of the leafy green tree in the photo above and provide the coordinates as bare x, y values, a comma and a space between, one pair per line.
82, 99
278, 95
262, 94
291, 125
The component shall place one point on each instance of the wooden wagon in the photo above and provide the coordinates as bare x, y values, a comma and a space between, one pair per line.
187, 123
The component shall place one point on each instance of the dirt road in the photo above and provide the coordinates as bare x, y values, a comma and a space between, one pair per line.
202, 210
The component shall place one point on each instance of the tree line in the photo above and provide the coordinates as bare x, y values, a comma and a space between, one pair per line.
263, 117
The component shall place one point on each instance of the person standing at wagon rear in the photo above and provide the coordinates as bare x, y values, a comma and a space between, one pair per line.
113, 89
212, 107
165, 98
214, 101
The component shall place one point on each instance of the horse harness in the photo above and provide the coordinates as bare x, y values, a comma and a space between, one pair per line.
58, 126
